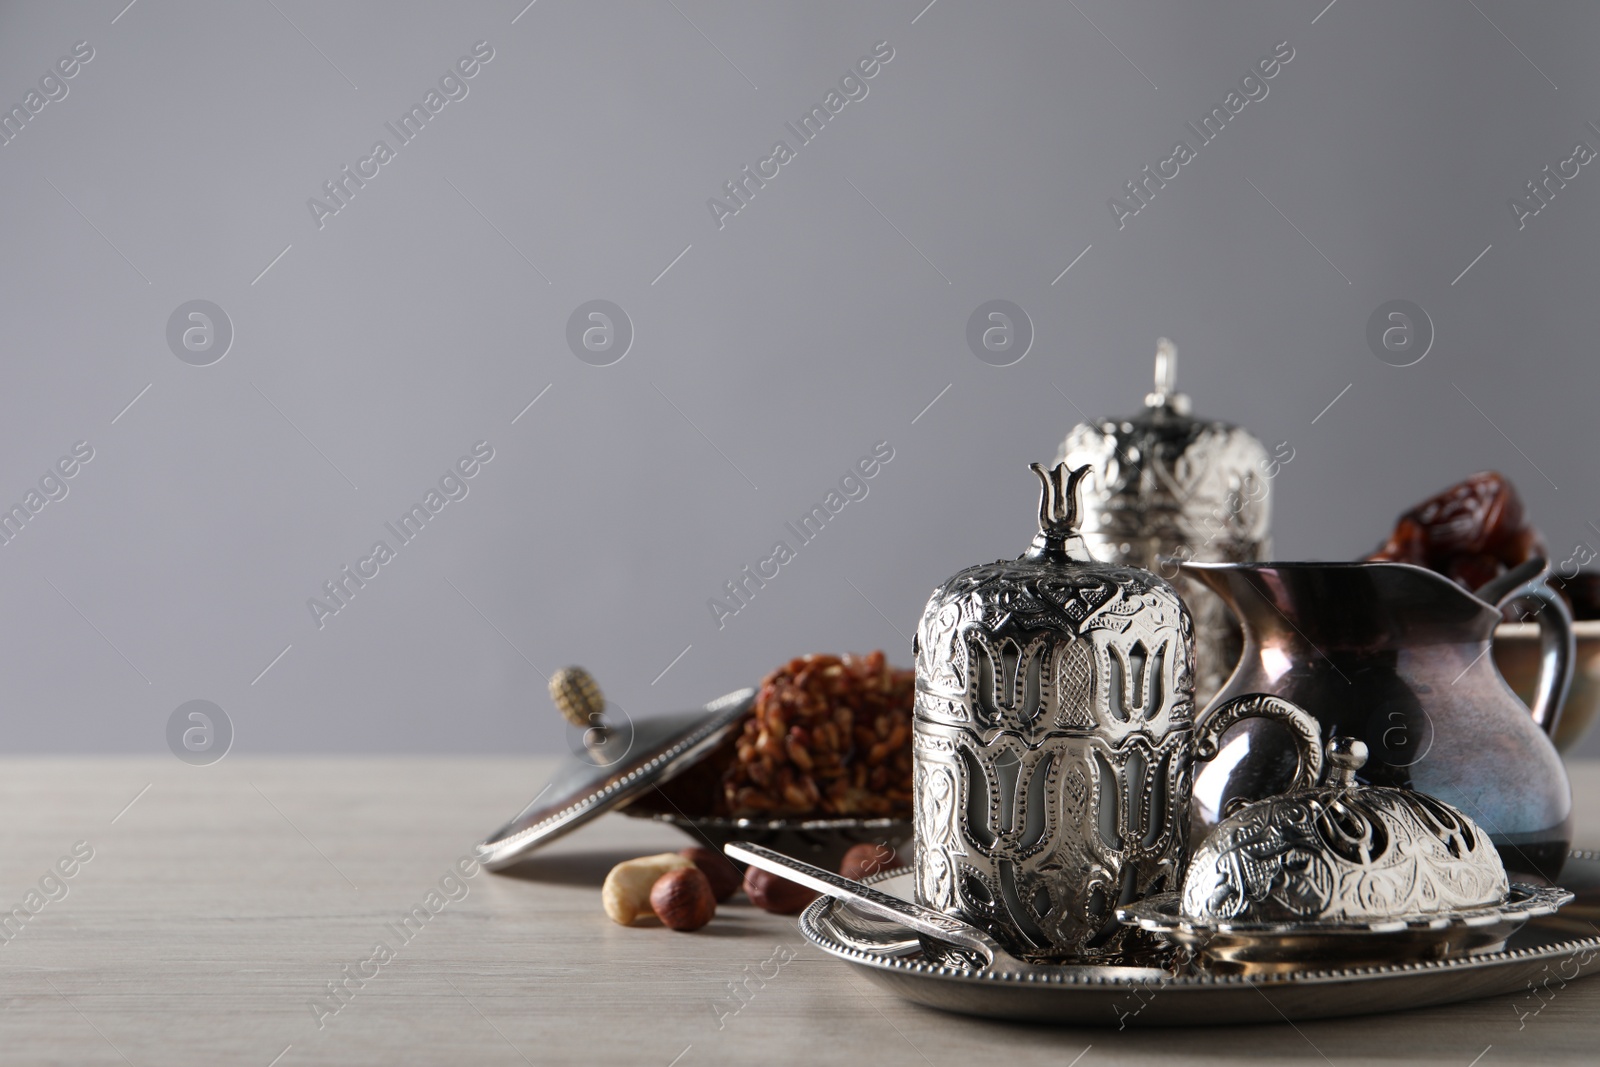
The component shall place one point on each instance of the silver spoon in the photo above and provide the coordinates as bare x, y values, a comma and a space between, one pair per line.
976, 948
945, 939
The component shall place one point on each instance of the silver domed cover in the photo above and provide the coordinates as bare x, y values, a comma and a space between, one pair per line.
1343, 852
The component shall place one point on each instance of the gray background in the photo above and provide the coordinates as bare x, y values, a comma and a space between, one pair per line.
775, 352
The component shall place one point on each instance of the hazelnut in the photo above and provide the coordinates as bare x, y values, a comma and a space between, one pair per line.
868, 859
718, 869
626, 893
682, 899
778, 895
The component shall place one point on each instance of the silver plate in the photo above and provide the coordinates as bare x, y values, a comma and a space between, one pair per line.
1567, 943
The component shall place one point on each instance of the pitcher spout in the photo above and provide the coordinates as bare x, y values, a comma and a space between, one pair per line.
1348, 605
1217, 577
1227, 580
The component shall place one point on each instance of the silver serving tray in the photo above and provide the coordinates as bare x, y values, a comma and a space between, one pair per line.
1567, 944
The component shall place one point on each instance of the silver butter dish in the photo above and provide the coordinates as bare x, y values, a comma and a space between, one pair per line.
1342, 873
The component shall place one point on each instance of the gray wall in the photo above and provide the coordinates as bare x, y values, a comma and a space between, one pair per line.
823, 318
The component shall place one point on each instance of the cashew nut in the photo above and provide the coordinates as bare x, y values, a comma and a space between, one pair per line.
626, 893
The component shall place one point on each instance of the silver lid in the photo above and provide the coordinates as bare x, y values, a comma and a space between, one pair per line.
589, 785
1339, 872
1166, 482
1341, 852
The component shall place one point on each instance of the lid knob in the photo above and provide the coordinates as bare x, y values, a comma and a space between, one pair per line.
1060, 510
577, 696
1347, 755
1166, 394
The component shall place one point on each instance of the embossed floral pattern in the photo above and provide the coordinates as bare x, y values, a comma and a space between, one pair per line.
1051, 735
1343, 854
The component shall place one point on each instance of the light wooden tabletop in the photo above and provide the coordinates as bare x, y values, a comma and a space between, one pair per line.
217, 908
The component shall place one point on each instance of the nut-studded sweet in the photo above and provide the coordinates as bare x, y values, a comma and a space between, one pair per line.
577, 696
828, 736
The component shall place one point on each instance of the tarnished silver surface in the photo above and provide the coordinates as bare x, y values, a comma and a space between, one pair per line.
1051, 741
1183, 994
1398, 656
1167, 485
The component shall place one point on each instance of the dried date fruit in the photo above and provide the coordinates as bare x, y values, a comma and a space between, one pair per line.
1472, 532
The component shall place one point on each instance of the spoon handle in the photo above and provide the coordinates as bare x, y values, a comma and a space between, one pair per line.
935, 924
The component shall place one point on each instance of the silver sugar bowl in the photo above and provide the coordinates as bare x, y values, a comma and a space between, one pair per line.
1052, 748
1336, 873
1170, 487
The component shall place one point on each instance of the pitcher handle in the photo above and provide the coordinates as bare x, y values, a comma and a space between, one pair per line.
1307, 731
1556, 648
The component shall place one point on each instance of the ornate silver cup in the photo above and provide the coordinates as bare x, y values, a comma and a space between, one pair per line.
1054, 742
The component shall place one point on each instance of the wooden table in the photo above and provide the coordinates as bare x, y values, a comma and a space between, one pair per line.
220, 904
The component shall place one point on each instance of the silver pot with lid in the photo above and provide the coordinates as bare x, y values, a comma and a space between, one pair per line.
1171, 487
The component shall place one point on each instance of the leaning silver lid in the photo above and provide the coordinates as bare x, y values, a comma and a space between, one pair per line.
588, 785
